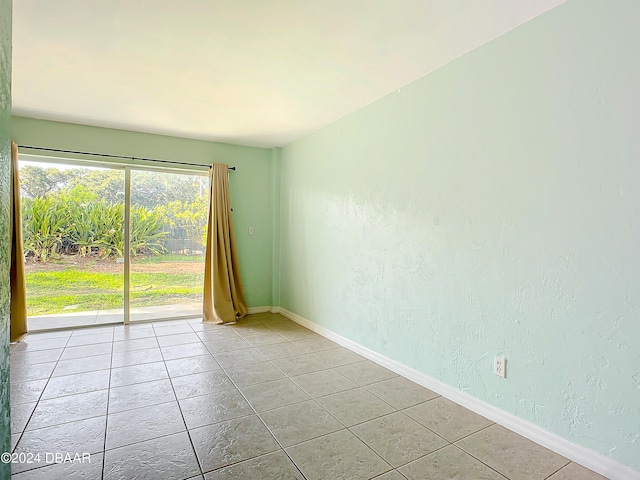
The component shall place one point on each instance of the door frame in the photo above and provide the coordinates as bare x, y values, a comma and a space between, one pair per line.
127, 169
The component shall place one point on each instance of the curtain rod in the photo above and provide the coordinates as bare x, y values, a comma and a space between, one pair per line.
115, 156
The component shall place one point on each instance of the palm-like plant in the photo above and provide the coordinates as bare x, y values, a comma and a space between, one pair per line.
44, 226
146, 232
81, 229
108, 220
87, 227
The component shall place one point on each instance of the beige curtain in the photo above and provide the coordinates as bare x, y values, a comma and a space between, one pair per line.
18, 288
223, 295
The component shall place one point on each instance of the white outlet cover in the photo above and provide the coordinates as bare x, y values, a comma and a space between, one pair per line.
500, 366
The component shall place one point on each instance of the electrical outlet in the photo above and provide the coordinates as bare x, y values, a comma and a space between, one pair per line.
500, 366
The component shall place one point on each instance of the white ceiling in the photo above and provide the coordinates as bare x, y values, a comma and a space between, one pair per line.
250, 72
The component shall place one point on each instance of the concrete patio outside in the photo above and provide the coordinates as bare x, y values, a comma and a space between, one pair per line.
102, 317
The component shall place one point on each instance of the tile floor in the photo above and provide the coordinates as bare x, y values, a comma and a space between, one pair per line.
262, 399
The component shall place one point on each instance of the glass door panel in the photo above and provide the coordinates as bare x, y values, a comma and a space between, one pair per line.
167, 236
73, 220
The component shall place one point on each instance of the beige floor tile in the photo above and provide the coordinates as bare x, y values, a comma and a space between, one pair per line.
270, 338
280, 350
300, 422
165, 457
68, 409
365, 373
214, 408
182, 351
26, 392
140, 395
400, 392
20, 416
248, 329
79, 340
514, 456
392, 475
66, 471
130, 345
175, 339
449, 463
336, 357
172, 330
573, 471
93, 330
223, 344
299, 365
41, 371
137, 374
86, 364
324, 382
298, 334
32, 343
398, 439
254, 374
77, 383
218, 335
233, 441
239, 358
447, 419
276, 465
133, 332
316, 344
81, 436
338, 456
203, 383
135, 357
270, 395
280, 323
36, 356
141, 424
355, 406
191, 365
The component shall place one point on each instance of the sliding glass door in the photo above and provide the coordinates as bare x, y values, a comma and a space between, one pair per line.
77, 223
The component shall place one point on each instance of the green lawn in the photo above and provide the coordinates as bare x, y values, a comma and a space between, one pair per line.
169, 258
50, 292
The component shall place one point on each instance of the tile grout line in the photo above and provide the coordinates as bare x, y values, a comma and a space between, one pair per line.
479, 460
562, 467
184, 421
106, 417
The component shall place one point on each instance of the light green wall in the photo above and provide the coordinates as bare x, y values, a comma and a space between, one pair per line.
275, 194
5, 158
490, 207
250, 184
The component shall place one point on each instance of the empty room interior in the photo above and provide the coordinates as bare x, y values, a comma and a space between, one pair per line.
433, 214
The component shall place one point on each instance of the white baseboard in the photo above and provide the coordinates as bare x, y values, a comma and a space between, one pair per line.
254, 310
590, 459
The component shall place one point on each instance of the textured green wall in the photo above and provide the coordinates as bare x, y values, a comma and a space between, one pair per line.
5, 158
490, 207
250, 184
275, 194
